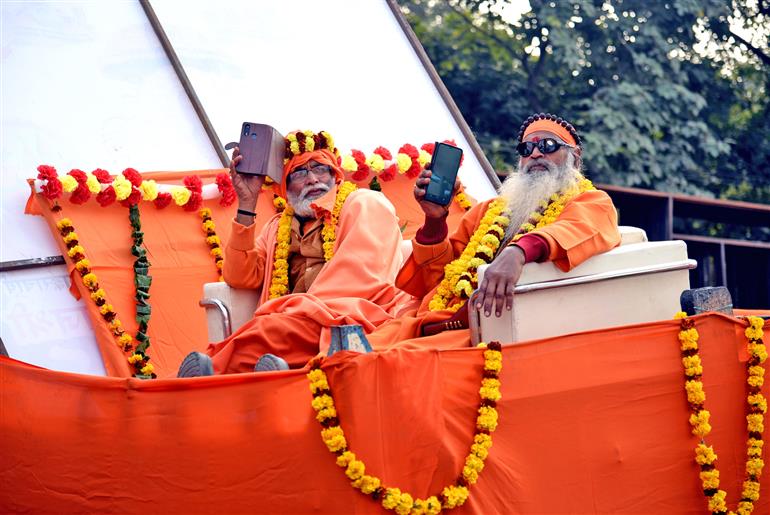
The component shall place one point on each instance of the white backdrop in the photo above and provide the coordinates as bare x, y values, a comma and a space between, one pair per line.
86, 84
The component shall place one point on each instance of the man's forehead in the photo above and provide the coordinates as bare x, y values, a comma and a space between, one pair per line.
538, 135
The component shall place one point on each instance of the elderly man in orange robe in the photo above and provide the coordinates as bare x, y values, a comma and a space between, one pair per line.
330, 258
546, 212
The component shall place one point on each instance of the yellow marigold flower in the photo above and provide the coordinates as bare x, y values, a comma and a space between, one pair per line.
474, 463
499, 231
294, 147
464, 288
404, 162
68, 183
391, 498
492, 394
216, 252
487, 418
480, 451
405, 503
213, 240
368, 484
92, 183
181, 195
98, 295
90, 281
345, 458
77, 249
116, 325
710, 478
483, 249
423, 158
483, 440
309, 141
334, 438
700, 423
759, 351
204, 213
754, 466
454, 496
279, 203
149, 189
220, 264
122, 187
691, 361
490, 240
502, 221
704, 454
688, 339
756, 376
756, 322
470, 475
759, 401
376, 162
751, 490
755, 422
104, 309
355, 469
695, 393
717, 501
679, 315
432, 505
123, 340
83, 264
321, 402
329, 139
754, 447
349, 163
64, 222
72, 236
475, 262
135, 358
209, 226
148, 369
745, 508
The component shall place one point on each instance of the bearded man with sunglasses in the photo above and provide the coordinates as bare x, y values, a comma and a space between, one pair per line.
329, 259
551, 213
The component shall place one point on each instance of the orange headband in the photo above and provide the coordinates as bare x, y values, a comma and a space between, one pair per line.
550, 126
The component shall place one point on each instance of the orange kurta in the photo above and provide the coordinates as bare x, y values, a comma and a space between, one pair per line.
587, 226
355, 287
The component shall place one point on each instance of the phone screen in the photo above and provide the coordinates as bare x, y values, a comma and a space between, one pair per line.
444, 166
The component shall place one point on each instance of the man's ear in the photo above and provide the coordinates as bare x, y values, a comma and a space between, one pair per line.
578, 158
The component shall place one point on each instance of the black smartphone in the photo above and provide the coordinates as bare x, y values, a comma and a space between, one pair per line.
262, 149
443, 166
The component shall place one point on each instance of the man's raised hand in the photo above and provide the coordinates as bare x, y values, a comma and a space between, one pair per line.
500, 279
431, 209
247, 186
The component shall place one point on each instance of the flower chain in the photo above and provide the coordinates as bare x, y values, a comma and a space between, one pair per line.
699, 418
394, 499
460, 276
279, 285
213, 241
138, 360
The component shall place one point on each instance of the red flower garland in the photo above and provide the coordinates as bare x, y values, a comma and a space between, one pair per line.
52, 189
225, 187
162, 200
413, 153
133, 177
81, 194
106, 196
363, 168
103, 176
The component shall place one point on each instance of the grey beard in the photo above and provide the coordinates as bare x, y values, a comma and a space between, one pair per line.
525, 191
301, 203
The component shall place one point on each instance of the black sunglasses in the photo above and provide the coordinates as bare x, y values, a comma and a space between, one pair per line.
545, 145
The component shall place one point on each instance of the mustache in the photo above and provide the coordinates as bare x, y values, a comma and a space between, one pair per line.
313, 187
551, 167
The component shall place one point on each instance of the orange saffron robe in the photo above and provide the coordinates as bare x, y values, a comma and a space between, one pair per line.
587, 226
355, 287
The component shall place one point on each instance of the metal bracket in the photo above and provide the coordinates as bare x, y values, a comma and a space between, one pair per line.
227, 326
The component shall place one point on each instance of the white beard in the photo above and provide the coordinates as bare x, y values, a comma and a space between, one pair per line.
525, 191
301, 203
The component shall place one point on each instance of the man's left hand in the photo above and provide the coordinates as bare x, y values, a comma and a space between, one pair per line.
499, 281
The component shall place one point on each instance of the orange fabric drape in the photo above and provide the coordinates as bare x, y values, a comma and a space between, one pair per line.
593, 422
180, 261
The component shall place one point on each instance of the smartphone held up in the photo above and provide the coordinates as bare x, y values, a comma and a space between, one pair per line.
443, 166
262, 149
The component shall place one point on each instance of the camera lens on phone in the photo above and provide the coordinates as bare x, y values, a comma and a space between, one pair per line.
246, 129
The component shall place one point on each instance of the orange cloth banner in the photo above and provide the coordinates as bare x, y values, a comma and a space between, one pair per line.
593, 422
180, 263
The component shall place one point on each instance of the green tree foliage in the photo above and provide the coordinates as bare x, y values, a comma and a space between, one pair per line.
667, 95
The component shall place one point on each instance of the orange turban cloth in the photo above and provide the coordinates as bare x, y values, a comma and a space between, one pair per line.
323, 153
550, 126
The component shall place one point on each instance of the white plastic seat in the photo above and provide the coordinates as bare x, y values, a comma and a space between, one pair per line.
637, 282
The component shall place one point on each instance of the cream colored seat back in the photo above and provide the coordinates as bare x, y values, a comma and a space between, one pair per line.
639, 281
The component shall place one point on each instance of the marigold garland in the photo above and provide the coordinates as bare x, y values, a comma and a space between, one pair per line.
705, 456
213, 241
461, 276
394, 499
279, 284
139, 361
